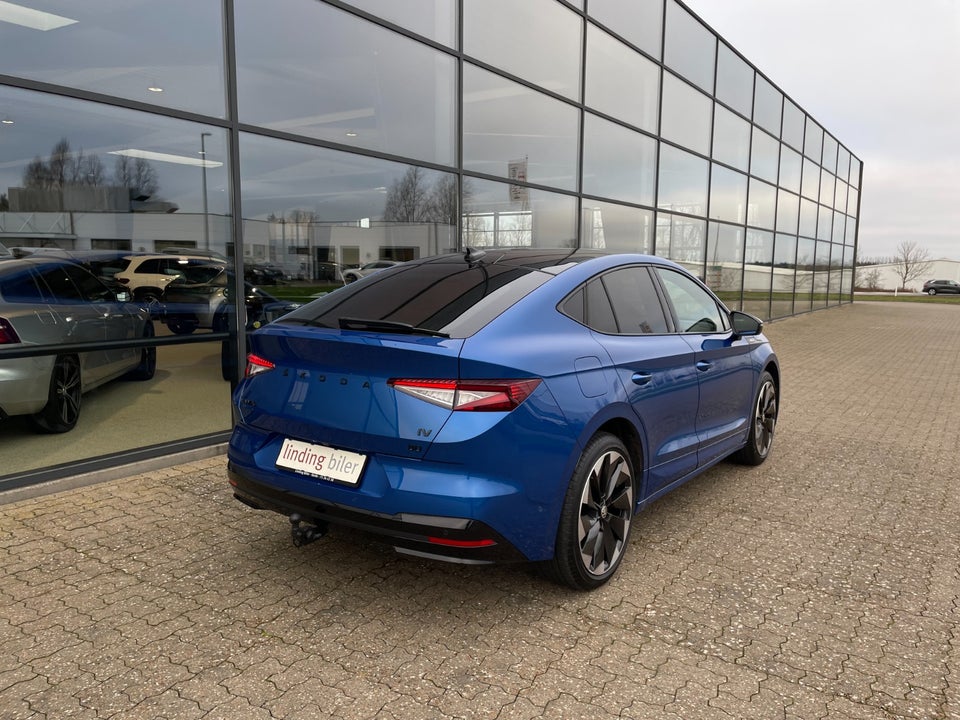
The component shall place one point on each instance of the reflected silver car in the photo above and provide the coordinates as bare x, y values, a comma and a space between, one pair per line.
355, 274
48, 301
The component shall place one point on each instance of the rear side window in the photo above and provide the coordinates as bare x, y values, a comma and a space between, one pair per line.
91, 289
151, 267
622, 302
21, 288
63, 288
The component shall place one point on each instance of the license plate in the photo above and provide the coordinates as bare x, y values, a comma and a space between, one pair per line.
320, 461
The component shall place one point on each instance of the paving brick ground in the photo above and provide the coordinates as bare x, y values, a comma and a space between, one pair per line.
823, 584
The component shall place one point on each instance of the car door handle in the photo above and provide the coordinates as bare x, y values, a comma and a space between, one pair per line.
641, 378
703, 365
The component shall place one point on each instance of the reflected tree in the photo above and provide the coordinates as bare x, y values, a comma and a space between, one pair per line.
137, 174
64, 167
412, 199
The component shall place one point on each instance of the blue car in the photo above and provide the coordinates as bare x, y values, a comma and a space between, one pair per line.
506, 405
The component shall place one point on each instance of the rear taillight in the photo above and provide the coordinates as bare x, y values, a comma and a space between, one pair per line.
7, 334
469, 395
257, 365
125, 281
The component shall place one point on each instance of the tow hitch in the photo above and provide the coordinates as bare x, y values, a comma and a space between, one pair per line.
303, 534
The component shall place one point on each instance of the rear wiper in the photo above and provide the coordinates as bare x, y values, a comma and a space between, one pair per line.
388, 326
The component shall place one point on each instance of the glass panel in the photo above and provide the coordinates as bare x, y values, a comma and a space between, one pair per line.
808, 218
731, 139
725, 263
843, 164
638, 21
813, 141
855, 166
388, 93
824, 222
846, 282
512, 131
839, 228
757, 270
312, 208
793, 123
728, 195
851, 232
165, 53
840, 196
853, 200
788, 212
682, 240
616, 227
830, 150
791, 169
435, 19
612, 66
827, 188
109, 188
734, 81
764, 156
762, 209
690, 48
683, 181
497, 215
821, 275
806, 249
784, 275
499, 33
836, 268
768, 106
811, 180
617, 162
686, 115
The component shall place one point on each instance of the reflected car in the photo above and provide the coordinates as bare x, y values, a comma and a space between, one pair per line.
513, 405
935, 287
354, 274
47, 301
146, 276
190, 300
263, 274
261, 308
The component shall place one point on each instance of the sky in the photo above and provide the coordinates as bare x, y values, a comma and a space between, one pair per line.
882, 77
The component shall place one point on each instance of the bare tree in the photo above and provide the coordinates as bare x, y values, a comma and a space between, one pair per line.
408, 199
911, 262
137, 174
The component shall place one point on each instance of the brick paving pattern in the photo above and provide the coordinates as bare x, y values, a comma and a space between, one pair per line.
823, 584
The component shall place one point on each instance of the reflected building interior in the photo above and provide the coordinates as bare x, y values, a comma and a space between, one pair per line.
292, 140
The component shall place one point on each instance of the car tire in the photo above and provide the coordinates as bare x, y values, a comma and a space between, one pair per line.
932, 291
347, 279
150, 299
596, 517
763, 423
181, 325
62, 410
148, 357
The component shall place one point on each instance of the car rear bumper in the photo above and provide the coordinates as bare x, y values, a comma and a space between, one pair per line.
452, 539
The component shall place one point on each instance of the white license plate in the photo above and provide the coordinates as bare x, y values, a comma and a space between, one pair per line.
320, 461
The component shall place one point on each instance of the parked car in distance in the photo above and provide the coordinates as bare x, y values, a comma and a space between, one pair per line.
934, 287
190, 300
354, 274
146, 276
263, 274
261, 308
51, 301
514, 405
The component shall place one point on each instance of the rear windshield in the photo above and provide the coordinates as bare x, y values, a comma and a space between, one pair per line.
455, 298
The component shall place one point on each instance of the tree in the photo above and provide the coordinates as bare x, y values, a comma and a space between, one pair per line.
137, 174
911, 262
409, 199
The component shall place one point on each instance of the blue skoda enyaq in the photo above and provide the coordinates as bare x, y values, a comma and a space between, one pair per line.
500, 405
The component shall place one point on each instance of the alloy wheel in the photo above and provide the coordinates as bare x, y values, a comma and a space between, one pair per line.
765, 420
606, 509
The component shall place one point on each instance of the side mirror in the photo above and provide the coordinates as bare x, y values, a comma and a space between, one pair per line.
745, 325
123, 296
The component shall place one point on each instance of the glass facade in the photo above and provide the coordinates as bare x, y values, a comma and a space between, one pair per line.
220, 159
